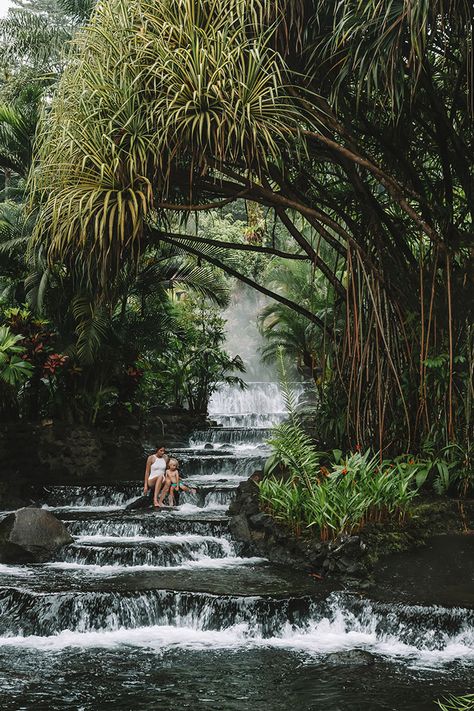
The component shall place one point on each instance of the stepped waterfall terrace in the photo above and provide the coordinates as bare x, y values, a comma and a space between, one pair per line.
150, 609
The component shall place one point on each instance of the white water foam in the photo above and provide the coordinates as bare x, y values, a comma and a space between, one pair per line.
318, 640
240, 449
203, 562
215, 478
192, 508
6, 569
259, 398
190, 538
72, 508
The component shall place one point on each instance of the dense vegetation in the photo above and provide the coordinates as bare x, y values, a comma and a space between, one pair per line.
330, 494
156, 340
318, 152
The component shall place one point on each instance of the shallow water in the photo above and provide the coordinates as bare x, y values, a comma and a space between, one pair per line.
184, 677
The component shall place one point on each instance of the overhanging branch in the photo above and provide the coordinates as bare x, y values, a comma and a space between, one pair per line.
164, 237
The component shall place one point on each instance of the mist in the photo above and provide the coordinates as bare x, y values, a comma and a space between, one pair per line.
243, 337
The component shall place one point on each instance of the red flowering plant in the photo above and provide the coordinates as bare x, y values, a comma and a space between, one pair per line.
53, 363
36, 334
39, 342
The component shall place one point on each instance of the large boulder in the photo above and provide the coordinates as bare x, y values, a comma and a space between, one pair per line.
31, 535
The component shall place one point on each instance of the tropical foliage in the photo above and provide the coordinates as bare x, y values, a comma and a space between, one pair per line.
349, 121
88, 355
192, 363
14, 369
334, 495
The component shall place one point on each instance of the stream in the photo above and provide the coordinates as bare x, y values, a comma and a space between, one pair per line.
161, 610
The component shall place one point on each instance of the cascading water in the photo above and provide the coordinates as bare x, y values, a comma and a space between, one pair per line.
151, 609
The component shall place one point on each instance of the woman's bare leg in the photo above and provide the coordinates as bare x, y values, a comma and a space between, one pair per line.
164, 490
156, 485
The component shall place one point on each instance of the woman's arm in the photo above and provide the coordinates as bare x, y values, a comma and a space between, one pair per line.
147, 474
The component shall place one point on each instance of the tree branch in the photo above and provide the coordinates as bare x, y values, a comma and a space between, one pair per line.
241, 277
239, 246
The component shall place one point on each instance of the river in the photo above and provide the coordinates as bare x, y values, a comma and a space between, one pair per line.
161, 610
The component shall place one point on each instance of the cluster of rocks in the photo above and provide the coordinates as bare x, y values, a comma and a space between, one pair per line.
261, 535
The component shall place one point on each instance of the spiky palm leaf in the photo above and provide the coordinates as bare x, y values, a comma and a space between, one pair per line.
93, 325
18, 123
168, 89
382, 45
33, 39
182, 274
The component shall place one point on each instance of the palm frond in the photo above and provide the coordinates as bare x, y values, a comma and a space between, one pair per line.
153, 91
92, 326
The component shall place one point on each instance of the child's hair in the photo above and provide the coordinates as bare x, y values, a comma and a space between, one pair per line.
173, 461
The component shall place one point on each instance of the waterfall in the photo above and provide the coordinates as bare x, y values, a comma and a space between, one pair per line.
175, 583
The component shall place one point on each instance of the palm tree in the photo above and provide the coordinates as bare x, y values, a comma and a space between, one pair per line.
35, 34
18, 122
302, 341
187, 106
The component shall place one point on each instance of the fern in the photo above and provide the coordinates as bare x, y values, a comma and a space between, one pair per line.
294, 449
92, 328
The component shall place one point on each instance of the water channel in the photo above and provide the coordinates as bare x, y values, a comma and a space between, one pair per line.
161, 610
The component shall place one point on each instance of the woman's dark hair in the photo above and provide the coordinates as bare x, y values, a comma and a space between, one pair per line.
160, 446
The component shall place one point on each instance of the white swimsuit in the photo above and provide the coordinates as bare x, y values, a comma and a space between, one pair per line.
158, 468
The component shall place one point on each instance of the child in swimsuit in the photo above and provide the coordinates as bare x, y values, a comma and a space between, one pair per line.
172, 485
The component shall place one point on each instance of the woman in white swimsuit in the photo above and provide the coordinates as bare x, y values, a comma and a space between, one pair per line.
155, 471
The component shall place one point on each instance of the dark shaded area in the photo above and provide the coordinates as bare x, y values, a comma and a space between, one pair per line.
442, 573
222, 680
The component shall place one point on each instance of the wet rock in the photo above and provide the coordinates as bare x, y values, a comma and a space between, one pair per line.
261, 519
350, 658
234, 508
240, 528
31, 535
143, 502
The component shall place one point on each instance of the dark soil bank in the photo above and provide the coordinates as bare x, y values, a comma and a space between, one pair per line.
348, 556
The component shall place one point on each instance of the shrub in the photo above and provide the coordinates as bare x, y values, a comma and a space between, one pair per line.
337, 498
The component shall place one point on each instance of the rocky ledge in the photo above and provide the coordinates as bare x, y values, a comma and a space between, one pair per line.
349, 557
